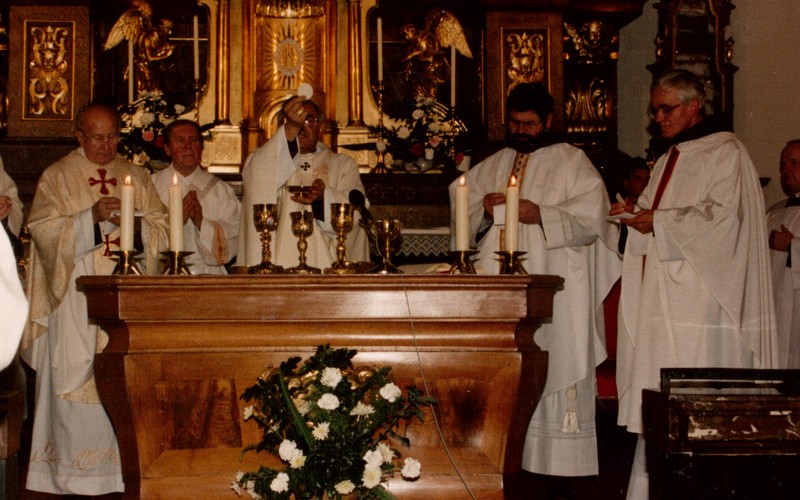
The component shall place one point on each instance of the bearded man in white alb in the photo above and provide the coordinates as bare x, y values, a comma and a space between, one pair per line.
695, 278
783, 223
74, 224
562, 209
293, 158
211, 210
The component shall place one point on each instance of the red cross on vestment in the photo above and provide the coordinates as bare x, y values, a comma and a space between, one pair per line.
102, 181
108, 242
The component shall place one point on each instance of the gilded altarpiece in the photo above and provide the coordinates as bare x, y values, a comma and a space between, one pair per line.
288, 48
48, 76
521, 48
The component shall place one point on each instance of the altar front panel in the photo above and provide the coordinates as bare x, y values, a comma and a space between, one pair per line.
182, 350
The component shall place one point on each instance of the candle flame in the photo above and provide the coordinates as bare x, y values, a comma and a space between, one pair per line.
512, 182
462, 181
174, 179
127, 180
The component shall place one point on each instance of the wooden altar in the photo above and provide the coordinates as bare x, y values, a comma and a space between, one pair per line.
182, 349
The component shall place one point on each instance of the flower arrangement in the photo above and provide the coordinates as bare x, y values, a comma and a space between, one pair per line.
141, 138
332, 425
426, 140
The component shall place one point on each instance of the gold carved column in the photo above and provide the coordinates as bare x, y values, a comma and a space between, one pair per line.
355, 108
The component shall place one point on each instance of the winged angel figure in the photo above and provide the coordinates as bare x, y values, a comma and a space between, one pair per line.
427, 66
151, 43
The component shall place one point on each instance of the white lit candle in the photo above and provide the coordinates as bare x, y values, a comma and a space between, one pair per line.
380, 49
175, 216
512, 215
453, 76
126, 216
130, 71
196, 46
462, 216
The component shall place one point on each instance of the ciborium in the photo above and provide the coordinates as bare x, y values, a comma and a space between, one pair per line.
342, 223
265, 218
302, 227
386, 232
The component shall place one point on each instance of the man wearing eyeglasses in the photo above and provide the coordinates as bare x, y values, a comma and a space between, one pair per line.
298, 172
696, 280
562, 228
74, 225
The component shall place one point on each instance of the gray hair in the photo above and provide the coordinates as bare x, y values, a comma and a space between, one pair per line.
689, 86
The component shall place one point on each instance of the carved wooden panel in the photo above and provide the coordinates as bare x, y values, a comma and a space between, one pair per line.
48, 69
522, 47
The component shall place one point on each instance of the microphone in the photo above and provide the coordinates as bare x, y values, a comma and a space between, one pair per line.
358, 201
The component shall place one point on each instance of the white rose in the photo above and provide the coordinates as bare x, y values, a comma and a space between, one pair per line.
371, 477
373, 458
331, 377
386, 452
411, 468
403, 132
345, 487
280, 484
417, 114
328, 402
390, 392
147, 118
287, 450
179, 109
298, 460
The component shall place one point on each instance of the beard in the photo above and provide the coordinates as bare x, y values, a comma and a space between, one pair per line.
525, 143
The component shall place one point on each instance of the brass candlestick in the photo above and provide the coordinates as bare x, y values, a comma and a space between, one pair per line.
302, 227
342, 223
510, 262
175, 263
126, 262
387, 231
265, 218
380, 146
462, 263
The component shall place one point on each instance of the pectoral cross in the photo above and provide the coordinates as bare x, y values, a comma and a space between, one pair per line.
102, 181
108, 242
305, 166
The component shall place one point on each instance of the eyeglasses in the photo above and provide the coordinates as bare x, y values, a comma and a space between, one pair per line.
526, 124
311, 121
664, 109
101, 139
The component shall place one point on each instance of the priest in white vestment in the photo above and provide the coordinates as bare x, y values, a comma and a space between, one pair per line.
293, 158
211, 210
13, 305
10, 204
74, 228
783, 224
696, 284
562, 211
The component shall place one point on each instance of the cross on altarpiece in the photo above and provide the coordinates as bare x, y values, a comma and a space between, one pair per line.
102, 181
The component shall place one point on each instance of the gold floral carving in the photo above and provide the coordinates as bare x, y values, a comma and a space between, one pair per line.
49, 59
588, 108
526, 61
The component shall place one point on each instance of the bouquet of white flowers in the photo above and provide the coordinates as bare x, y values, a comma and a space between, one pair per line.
333, 426
141, 138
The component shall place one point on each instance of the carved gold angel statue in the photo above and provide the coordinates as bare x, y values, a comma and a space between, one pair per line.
427, 65
150, 42
48, 86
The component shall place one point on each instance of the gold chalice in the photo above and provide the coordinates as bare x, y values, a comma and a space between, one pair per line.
342, 223
386, 231
302, 227
265, 218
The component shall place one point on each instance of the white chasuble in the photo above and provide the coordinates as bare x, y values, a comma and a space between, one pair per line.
74, 449
574, 241
786, 284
